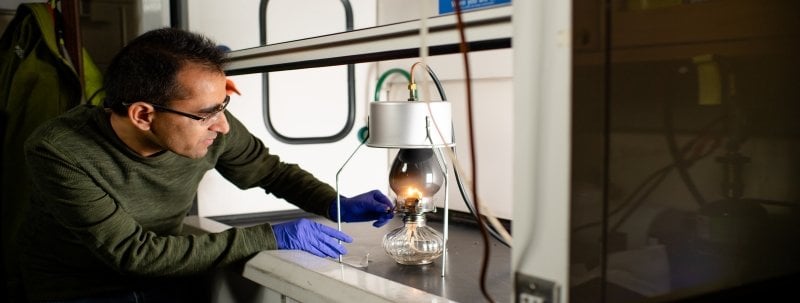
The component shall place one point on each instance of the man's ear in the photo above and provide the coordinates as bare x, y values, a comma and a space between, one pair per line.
141, 115
230, 87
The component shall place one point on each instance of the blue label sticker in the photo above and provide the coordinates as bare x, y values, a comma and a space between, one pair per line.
446, 6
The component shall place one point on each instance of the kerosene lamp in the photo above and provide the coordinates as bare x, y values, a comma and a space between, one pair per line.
415, 178
421, 131
417, 174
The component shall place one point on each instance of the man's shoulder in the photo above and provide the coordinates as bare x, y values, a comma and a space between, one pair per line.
66, 128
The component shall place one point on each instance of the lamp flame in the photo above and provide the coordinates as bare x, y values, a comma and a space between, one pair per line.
414, 193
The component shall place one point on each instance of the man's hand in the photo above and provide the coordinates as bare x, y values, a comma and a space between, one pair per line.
368, 206
310, 236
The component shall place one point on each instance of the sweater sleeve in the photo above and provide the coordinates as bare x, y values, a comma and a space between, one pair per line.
247, 163
85, 212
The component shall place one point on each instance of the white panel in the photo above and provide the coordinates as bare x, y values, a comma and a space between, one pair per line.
318, 92
314, 98
542, 53
154, 14
393, 11
288, 20
235, 24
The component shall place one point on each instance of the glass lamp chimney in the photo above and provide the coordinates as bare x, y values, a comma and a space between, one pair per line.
415, 177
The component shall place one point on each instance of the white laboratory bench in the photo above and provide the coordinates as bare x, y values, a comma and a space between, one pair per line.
297, 276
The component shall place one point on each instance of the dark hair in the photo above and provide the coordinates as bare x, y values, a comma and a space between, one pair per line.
146, 68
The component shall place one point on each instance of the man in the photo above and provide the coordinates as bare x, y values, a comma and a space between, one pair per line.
112, 185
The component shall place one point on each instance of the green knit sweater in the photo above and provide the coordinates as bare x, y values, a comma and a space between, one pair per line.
104, 218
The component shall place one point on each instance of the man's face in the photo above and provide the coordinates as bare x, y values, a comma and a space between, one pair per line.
183, 135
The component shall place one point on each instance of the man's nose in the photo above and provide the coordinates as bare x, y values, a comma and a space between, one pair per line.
221, 125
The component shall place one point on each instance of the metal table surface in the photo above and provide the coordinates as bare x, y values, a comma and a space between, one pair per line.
462, 280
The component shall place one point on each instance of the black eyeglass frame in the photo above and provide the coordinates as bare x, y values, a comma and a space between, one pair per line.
218, 110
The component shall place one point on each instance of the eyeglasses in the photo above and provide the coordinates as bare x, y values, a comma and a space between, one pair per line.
208, 119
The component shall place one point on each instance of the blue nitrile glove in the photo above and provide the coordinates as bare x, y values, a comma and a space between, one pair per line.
372, 205
310, 236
